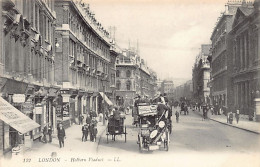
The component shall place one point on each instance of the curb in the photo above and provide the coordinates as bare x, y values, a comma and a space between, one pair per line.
235, 126
231, 125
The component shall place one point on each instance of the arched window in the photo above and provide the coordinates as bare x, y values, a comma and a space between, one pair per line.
128, 85
128, 73
118, 85
117, 73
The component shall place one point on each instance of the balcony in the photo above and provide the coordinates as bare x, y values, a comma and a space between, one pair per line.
125, 62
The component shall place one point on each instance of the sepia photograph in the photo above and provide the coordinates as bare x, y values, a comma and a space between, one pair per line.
129, 83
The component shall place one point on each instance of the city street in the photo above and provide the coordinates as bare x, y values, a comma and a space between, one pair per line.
190, 135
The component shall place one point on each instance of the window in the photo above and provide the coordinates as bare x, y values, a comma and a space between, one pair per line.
117, 73
118, 85
128, 85
128, 73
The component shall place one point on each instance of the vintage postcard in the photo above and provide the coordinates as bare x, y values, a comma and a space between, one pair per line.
130, 83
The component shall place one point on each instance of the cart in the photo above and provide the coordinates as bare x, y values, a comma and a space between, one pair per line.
153, 133
116, 127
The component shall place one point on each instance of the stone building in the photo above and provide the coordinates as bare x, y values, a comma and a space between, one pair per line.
27, 70
184, 91
220, 75
201, 76
244, 47
87, 58
133, 78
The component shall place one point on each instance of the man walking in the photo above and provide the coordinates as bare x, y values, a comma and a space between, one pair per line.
177, 114
237, 116
61, 135
50, 133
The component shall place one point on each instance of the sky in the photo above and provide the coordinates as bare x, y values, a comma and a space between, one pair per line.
169, 32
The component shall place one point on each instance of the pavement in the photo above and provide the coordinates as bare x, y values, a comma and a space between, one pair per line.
73, 143
243, 122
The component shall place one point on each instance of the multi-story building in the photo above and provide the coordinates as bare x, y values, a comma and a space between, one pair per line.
219, 66
87, 60
201, 76
184, 91
133, 78
244, 47
27, 70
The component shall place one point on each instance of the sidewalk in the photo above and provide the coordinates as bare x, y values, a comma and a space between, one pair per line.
73, 143
243, 123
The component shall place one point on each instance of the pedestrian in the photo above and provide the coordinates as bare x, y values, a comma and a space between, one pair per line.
212, 110
177, 114
93, 129
44, 131
88, 119
84, 133
81, 118
237, 116
50, 133
228, 117
61, 135
231, 118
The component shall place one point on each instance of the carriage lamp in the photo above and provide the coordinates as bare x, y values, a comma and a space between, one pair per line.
153, 134
161, 124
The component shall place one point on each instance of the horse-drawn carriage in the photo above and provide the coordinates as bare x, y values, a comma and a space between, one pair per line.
154, 128
116, 127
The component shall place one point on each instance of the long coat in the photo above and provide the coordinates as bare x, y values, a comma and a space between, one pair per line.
61, 132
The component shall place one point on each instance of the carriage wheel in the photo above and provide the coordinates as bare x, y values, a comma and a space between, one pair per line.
140, 144
107, 133
125, 134
167, 141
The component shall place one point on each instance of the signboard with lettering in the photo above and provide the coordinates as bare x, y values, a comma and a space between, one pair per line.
16, 119
27, 107
18, 98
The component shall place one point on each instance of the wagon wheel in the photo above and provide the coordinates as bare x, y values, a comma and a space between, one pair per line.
140, 144
107, 133
125, 134
167, 141
170, 127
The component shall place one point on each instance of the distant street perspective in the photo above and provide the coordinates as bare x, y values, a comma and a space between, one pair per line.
111, 83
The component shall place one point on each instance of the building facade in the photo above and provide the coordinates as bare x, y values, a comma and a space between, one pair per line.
87, 60
27, 67
201, 76
184, 91
133, 78
244, 46
220, 75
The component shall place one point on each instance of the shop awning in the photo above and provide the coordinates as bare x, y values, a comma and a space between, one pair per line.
106, 99
15, 118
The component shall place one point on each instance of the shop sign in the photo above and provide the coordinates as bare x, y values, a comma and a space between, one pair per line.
58, 110
38, 110
65, 99
18, 98
16, 119
27, 107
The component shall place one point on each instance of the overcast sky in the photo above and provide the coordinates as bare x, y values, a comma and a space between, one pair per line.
170, 32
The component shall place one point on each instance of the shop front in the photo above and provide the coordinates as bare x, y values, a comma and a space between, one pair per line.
17, 125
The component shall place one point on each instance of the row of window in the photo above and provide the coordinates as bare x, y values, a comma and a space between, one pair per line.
245, 50
119, 74
219, 63
85, 34
87, 58
128, 85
